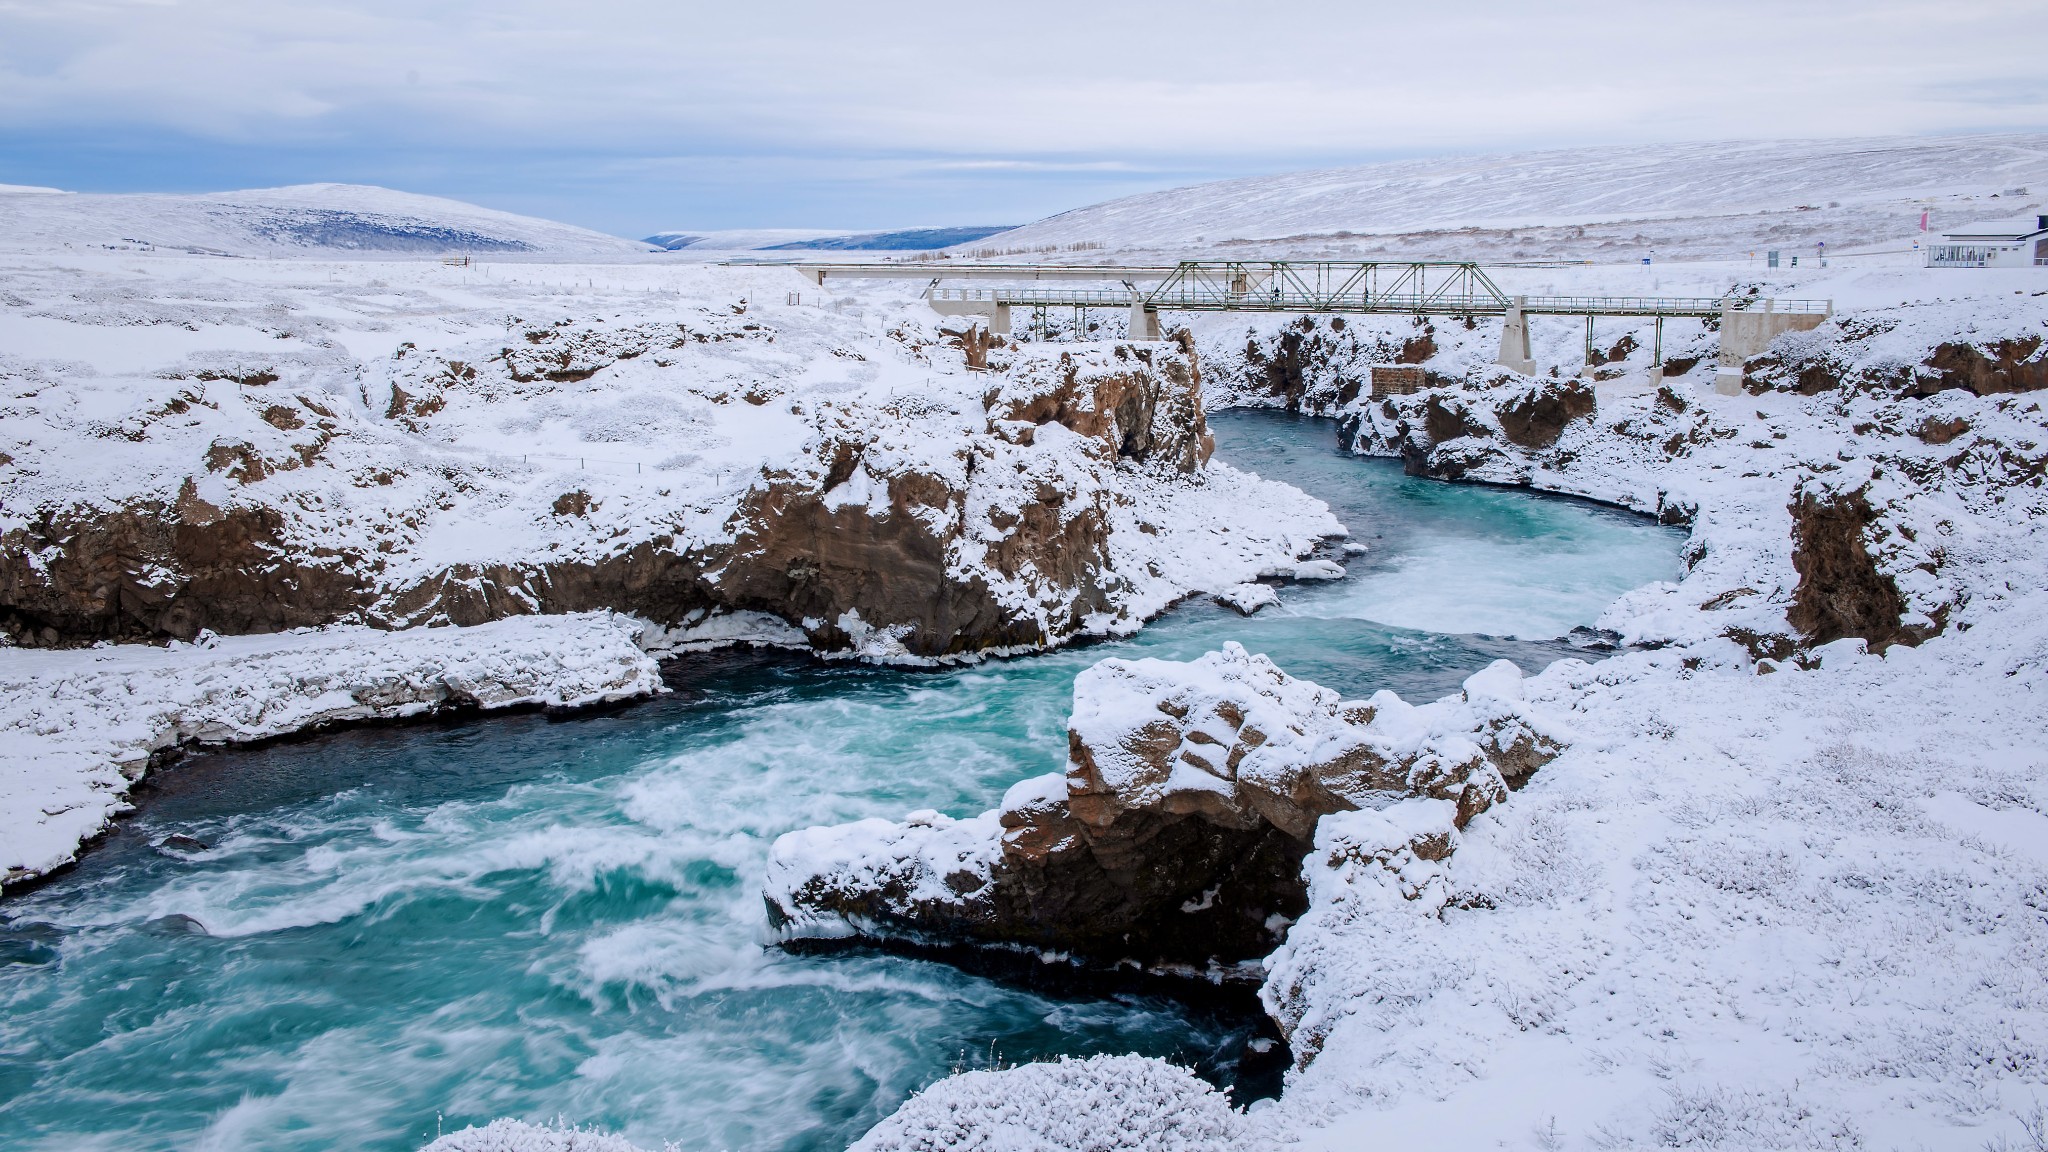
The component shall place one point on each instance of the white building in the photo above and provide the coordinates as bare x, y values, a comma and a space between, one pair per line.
2015, 242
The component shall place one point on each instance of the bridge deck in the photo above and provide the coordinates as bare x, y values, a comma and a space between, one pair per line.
1415, 288
817, 273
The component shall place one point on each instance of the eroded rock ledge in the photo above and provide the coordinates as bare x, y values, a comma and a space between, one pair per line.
1174, 840
982, 515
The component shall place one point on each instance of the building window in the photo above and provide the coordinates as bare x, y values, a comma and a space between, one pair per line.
1958, 256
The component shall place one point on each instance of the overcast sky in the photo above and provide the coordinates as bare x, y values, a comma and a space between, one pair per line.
638, 115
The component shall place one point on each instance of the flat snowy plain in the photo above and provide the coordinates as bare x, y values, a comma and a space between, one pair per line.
1756, 904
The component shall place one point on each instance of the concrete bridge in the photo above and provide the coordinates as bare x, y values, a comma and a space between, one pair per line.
1410, 288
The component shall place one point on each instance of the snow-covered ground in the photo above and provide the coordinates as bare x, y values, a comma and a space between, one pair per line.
1758, 903
411, 426
1676, 200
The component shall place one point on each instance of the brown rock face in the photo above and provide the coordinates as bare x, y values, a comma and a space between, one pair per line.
1446, 416
800, 559
1176, 836
797, 548
1841, 593
1448, 434
2014, 365
1306, 367
1169, 892
1536, 418
149, 571
1935, 430
974, 342
1986, 368
1150, 412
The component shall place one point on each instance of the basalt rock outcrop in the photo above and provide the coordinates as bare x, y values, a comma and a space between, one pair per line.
1319, 366
1912, 353
1485, 429
917, 527
1841, 592
1174, 839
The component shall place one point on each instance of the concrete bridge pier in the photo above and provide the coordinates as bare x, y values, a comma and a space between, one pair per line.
1514, 340
1144, 322
1748, 332
999, 319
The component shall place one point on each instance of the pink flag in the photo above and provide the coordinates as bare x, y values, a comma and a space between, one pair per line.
1923, 219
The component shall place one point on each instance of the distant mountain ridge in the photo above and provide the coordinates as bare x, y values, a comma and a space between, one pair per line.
791, 239
909, 239
297, 220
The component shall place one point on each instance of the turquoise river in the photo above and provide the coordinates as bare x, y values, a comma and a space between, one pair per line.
363, 937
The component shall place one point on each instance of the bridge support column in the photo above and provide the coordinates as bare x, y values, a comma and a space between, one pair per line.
999, 319
1144, 322
1748, 332
1514, 340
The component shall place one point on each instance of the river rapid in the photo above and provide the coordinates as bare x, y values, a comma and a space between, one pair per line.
355, 940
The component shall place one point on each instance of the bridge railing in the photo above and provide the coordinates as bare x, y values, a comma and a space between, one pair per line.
1040, 297
1697, 306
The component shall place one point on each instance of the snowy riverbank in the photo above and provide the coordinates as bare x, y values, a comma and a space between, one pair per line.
81, 726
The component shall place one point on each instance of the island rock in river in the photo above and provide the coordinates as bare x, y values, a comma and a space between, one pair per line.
1175, 838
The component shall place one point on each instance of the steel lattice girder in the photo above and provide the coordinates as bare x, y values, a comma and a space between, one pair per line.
1420, 287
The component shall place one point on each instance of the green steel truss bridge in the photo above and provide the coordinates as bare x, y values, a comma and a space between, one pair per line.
1422, 288
1408, 288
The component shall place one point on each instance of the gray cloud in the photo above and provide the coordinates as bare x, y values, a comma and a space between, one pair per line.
1056, 86
1117, 81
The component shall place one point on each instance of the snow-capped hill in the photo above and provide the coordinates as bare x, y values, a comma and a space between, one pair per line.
1848, 186
322, 219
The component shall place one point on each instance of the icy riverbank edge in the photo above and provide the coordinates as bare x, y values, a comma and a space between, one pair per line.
82, 726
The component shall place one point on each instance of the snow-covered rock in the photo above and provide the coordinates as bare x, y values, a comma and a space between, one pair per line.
519, 1136
1175, 837
428, 456
1248, 598
1100, 1104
